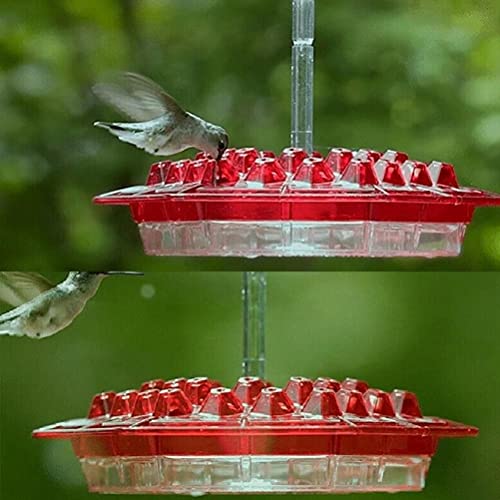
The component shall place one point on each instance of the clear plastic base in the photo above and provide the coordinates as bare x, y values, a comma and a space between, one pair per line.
302, 239
256, 474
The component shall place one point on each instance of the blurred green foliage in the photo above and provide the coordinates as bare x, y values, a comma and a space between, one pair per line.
419, 76
432, 333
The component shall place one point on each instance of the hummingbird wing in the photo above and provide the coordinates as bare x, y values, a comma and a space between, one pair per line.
139, 98
16, 288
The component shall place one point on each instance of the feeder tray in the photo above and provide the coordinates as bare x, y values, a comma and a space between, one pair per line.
351, 203
193, 436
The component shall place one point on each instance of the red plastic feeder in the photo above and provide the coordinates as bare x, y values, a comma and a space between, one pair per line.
193, 436
351, 203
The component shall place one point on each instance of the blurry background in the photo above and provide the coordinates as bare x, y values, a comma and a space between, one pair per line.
434, 334
419, 76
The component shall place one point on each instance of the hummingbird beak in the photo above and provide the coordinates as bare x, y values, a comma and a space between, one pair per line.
125, 273
222, 145
220, 150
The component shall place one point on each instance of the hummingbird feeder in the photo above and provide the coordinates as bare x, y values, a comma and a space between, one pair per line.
252, 203
193, 436
351, 204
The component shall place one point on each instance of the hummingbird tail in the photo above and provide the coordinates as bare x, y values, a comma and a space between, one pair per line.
132, 133
8, 327
10, 333
112, 127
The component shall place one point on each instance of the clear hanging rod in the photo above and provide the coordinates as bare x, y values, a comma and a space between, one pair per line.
302, 74
254, 333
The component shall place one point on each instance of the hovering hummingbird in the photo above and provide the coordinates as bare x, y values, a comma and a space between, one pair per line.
160, 126
42, 309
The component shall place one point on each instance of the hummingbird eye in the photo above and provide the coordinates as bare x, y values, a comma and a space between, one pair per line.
222, 145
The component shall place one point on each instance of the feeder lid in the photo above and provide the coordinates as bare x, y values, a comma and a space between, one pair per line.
263, 180
321, 416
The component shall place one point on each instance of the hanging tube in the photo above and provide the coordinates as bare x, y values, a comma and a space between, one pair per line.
302, 74
254, 283
254, 335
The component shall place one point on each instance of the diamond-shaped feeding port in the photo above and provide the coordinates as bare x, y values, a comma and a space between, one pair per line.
347, 204
194, 436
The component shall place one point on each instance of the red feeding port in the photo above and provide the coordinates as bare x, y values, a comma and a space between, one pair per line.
248, 389
272, 402
338, 159
312, 436
221, 402
102, 404
197, 388
124, 403
256, 203
298, 389
322, 402
173, 402
265, 172
313, 171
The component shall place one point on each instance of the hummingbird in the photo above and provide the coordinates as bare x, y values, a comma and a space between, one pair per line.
42, 309
160, 125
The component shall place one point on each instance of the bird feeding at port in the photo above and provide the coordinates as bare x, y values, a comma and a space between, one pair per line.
160, 125
355, 202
